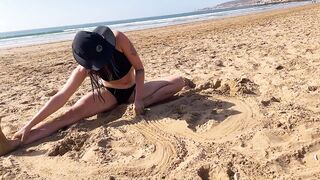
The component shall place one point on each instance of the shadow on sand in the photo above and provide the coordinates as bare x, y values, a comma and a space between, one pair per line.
195, 109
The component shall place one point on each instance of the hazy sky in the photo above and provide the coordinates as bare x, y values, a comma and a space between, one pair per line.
29, 14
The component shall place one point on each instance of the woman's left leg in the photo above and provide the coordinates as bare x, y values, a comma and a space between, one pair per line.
87, 106
159, 90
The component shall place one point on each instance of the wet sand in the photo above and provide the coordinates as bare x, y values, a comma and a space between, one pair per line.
253, 114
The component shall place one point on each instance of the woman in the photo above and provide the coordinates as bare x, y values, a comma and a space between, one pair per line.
117, 76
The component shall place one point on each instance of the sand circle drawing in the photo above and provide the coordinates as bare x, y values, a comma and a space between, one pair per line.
200, 116
165, 135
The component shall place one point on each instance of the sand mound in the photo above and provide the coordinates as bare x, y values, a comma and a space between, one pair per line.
231, 87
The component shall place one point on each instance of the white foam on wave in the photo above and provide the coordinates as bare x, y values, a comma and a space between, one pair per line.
68, 34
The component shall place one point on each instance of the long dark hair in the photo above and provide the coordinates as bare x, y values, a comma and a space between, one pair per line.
106, 73
95, 85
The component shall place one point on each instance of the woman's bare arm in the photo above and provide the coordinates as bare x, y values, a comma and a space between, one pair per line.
58, 100
132, 55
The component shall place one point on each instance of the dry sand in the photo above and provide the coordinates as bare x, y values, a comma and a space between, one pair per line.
254, 113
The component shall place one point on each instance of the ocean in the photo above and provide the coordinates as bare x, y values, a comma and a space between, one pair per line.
54, 34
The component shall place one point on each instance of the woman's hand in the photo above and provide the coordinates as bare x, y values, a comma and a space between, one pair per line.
139, 107
22, 134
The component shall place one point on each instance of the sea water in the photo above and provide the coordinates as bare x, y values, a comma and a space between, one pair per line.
54, 34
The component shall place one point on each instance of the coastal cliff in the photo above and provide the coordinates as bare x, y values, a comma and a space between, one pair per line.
243, 3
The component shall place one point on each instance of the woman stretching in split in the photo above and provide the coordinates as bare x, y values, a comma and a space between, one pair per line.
117, 76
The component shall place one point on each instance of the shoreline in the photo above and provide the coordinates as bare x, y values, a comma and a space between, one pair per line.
254, 112
185, 23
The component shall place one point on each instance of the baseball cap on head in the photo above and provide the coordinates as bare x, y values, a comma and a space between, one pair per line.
106, 33
92, 50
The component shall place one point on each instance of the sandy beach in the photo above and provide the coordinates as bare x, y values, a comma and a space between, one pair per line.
254, 113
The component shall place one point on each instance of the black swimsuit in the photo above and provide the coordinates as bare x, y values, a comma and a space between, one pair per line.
121, 67
122, 95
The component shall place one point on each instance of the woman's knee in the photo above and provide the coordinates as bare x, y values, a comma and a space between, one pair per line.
78, 111
177, 81
72, 115
89, 105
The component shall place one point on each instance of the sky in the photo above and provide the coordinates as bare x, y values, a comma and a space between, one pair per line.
18, 15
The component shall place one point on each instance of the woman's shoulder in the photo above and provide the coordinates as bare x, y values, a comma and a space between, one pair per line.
121, 40
116, 33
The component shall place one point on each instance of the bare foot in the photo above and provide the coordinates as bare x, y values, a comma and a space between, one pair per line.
189, 83
6, 145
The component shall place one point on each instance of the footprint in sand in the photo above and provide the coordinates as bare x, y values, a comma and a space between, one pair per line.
74, 144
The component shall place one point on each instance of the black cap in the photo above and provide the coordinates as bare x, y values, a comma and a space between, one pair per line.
91, 50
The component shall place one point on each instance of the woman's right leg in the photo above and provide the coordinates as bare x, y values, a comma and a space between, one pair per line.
85, 107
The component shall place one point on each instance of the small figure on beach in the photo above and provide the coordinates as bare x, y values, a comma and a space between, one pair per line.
117, 76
